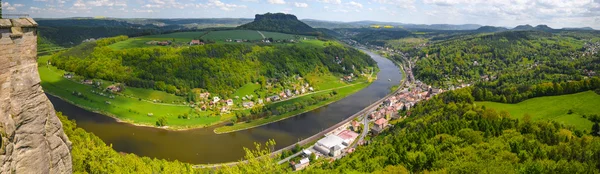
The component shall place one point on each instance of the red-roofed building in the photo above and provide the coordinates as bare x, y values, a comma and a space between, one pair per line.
380, 124
196, 42
348, 136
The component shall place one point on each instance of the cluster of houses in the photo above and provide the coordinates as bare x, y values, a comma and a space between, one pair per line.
591, 48
196, 42
287, 93
334, 145
161, 43
402, 100
348, 78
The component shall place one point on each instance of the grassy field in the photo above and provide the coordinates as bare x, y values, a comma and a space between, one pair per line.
555, 108
140, 42
182, 38
126, 109
342, 93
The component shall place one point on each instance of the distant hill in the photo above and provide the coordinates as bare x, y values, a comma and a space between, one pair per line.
491, 29
582, 28
536, 28
543, 28
279, 22
524, 27
362, 24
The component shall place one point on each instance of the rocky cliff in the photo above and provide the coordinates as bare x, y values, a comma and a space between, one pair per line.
32, 140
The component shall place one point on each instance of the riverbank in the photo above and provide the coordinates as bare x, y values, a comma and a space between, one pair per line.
342, 93
135, 106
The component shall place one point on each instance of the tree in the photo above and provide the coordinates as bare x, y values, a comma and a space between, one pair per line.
162, 121
596, 129
313, 157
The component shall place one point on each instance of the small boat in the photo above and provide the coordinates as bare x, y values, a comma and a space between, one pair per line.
390, 80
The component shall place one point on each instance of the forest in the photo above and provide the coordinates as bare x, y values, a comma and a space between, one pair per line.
218, 68
279, 22
449, 134
513, 66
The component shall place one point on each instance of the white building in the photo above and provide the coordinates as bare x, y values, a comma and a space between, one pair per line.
330, 145
216, 99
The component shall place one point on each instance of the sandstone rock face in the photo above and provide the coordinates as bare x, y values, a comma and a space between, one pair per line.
32, 140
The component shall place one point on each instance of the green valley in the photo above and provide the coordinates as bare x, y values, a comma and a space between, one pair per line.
570, 110
232, 76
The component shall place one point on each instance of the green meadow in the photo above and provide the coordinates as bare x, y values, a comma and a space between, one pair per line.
128, 109
342, 93
555, 108
182, 38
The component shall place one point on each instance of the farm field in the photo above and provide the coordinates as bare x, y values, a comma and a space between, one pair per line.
555, 108
182, 38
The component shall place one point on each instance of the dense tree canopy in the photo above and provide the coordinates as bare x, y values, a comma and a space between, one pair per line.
218, 68
450, 134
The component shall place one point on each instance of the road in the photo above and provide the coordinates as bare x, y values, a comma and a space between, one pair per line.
261, 34
319, 135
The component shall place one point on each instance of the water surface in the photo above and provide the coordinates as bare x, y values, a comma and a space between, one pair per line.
202, 146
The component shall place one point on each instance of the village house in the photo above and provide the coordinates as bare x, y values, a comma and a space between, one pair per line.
348, 137
164, 43
379, 125
68, 75
204, 95
216, 99
288, 92
196, 42
355, 125
229, 102
224, 109
248, 104
88, 82
114, 88
301, 165
275, 98
260, 101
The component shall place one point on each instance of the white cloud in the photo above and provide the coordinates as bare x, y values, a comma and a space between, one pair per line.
34, 8
300, 4
287, 10
330, 1
79, 5
151, 6
224, 6
250, 0
7, 6
405, 4
143, 11
276, 1
355, 4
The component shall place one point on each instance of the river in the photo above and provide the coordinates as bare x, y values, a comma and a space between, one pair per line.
203, 146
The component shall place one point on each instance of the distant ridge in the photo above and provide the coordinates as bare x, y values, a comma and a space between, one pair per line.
491, 29
582, 28
279, 22
524, 27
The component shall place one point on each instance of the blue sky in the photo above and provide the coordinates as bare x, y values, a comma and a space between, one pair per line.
509, 13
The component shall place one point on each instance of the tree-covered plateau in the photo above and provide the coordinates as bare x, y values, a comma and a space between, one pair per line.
217, 68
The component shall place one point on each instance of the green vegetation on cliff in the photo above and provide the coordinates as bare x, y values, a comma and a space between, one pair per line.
218, 68
279, 22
